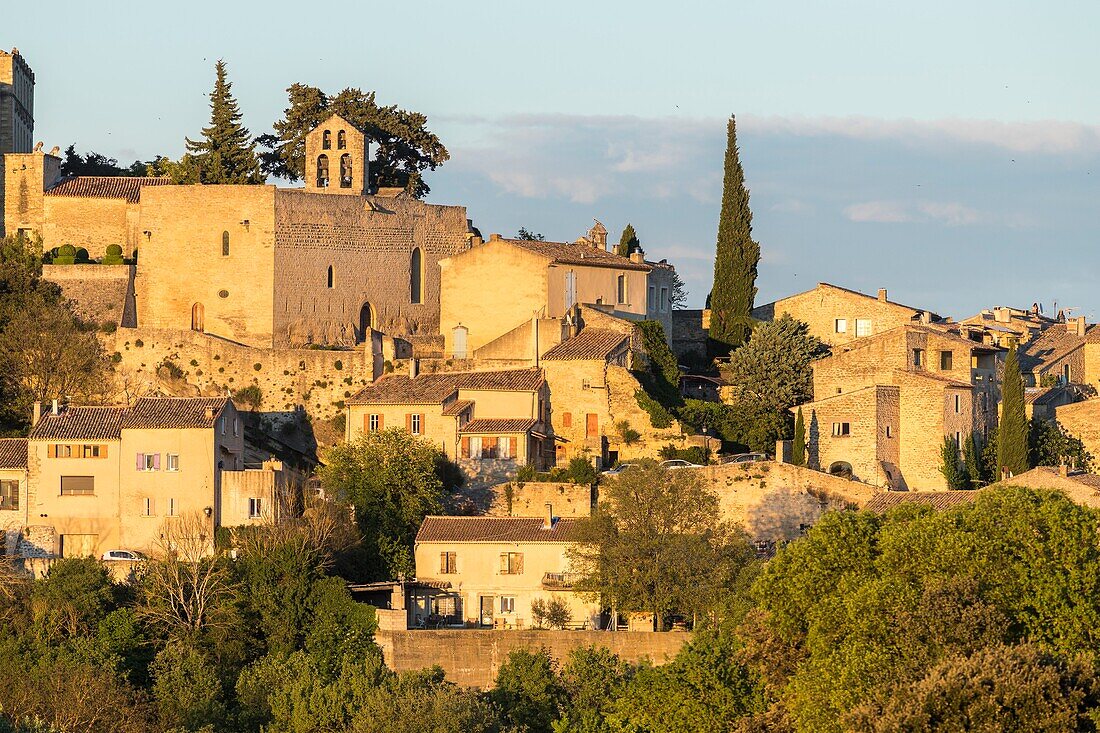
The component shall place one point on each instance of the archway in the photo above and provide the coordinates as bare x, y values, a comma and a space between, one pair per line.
841, 468
198, 314
416, 276
366, 320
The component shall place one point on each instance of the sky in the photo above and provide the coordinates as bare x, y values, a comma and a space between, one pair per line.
947, 151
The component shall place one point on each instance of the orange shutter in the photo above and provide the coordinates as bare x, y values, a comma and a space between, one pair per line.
366, 423
465, 447
423, 424
567, 420
381, 421
51, 451
408, 422
102, 451
512, 444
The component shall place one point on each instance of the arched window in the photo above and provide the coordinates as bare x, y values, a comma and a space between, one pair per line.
341, 140
198, 318
416, 277
322, 171
331, 276
345, 171
225, 244
326, 140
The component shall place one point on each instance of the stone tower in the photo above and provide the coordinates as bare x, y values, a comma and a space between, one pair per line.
336, 158
16, 103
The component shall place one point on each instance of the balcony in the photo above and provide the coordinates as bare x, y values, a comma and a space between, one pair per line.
560, 581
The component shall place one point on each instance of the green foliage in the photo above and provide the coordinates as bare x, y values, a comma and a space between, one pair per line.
400, 142
72, 600
552, 613
421, 701
736, 257
627, 434
1049, 444
528, 691
94, 164
954, 472
659, 417
226, 152
972, 463
393, 480
798, 447
593, 679
529, 236
581, 471
187, 690
662, 377
1012, 444
1050, 379
251, 396
694, 454
628, 242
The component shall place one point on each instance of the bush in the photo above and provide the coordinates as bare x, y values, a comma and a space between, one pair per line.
251, 396
694, 454
171, 369
627, 434
66, 255
581, 471
113, 255
338, 365
552, 614
257, 366
659, 417
138, 344
116, 357
108, 327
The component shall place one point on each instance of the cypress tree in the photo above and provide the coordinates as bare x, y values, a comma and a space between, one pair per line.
628, 242
736, 258
798, 447
953, 472
226, 152
1012, 431
972, 462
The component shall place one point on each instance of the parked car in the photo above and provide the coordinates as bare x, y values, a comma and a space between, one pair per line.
746, 458
677, 463
123, 555
618, 469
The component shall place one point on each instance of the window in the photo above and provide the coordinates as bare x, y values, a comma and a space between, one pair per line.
959, 440
147, 507
255, 508
374, 423
946, 360
1065, 374
236, 426
173, 461
63, 451
504, 448
511, 563
415, 423
958, 404
341, 140
173, 510
416, 276
918, 358
148, 461
621, 289
863, 327
90, 451
225, 244
664, 300
507, 604
345, 171
889, 432
221, 424
326, 140
475, 448
446, 606
840, 325
322, 171
331, 276
448, 563
841, 429
9, 494
77, 485
652, 298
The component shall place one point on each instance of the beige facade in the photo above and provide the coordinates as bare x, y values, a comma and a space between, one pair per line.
16, 103
839, 316
487, 571
1065, 353
104, 478
336, 159
13, 491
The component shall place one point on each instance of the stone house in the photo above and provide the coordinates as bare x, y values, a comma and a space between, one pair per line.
545, 282
102, 478
16, 104
487, 571
13, 490
883, 405
838, 316
1065, 353
1004, 325
489, 422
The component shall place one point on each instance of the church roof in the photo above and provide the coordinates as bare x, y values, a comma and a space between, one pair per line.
106, 187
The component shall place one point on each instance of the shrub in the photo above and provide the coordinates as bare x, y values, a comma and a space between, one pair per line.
338, 365
116, 357
171, 369
553, 614
66, 255
627, 434
694, 454
526, 473
108, 327
251, 396
581, 471
257, 366
659, 417
138, 344
194, 362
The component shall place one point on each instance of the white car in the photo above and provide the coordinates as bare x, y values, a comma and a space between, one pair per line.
618, 469
747, 458
676, 463
123, 556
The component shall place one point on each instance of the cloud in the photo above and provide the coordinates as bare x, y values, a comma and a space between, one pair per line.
884, 212
947, 213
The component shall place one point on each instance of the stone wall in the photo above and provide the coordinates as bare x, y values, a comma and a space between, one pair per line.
529, 499
860, 447
472, 657
1082, 419
97, 293
688, 335
91, 223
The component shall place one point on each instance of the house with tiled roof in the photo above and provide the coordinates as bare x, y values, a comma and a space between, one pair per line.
1004, 325
13, 490
486, 572
1065, 353
490, 422
104, 478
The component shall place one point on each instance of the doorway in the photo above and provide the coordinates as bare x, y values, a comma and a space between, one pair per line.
198, 317
486, 615
366, 320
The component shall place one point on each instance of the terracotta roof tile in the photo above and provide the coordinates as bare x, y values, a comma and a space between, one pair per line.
1054, 344
576, 254
498, 425
80, 423
887, 500
13, 453
427, 389
106, 187
493, 529
174, 412
457, 407
589, 344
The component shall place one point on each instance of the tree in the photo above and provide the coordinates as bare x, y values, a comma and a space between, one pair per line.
72, 600
736, 258
661, 377
1012, 431
553, 613
678, 296
972, 462
187, 690
954, 473
1049, 444
416, 702
593, 679
393, 480
528, 690
656, 544
527, 235
94, 164
628, 242
226, 152
403, 146
798, 448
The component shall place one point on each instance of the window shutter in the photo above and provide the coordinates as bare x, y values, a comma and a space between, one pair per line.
140, 461
465, 447
156, 461
567, 420
51, 451
366, 423
409, 422
517, 565
381, 421
513, 443
504, 563
423, 425
102, 451
443, 562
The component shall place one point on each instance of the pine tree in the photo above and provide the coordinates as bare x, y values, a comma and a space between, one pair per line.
972, 462
798, 447
736, 258
953, 472
226, 152
628, 242
1012, 432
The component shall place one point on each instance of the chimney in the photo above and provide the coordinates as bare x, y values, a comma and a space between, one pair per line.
638, 257
36, 413
1002, 315
495, 237
882, 295
1076, 326
535, 338
53, 407
414, 368
208, 413
548, 520
925, 317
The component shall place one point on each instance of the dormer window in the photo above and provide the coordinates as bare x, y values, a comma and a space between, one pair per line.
326, 140
341, 140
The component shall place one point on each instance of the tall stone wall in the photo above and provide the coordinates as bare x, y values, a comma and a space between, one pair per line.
97, 293
91, 223
472, 657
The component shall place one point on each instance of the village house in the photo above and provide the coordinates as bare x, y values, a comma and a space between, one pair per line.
104, 478
488, 571
490, 423
1004, 325
837, 316
884, 404
1064, 353
13, 491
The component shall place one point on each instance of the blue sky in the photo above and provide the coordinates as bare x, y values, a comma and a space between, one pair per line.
947, 151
